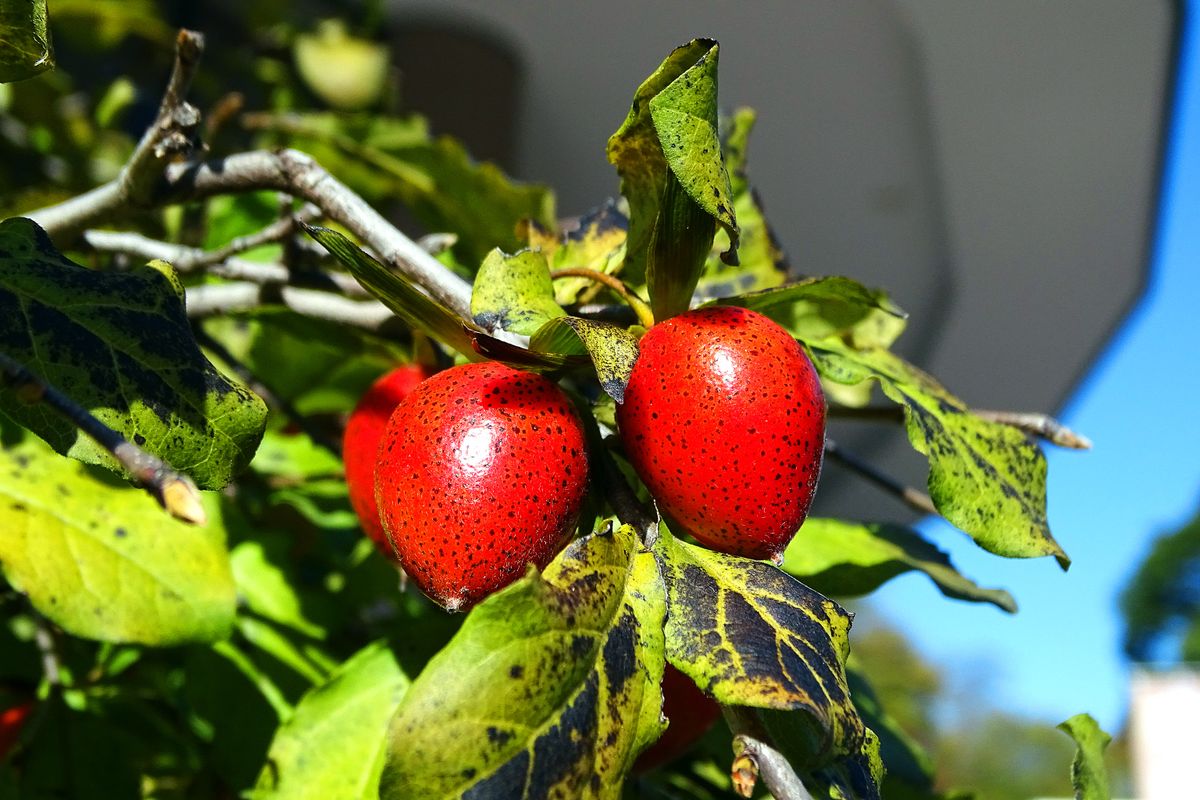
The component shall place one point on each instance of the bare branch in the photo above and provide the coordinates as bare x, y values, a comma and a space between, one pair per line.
186, 259
224, 298
1041, 425
47, 645
754, 756
174, 491
285, 171
914, 498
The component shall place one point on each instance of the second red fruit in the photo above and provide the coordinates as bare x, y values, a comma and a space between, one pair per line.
482, 471
724, 421
360, 444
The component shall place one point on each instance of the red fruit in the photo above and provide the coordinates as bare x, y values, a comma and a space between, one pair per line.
689, 712
12, 720
724, 420
482, 471
360, 444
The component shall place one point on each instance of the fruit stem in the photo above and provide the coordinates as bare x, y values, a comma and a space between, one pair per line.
644, 314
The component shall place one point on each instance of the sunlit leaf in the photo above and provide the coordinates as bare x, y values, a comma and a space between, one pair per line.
334, 744
25, 49
816, 308
514, 292
572, 662
749, 634
668, 155
597, 242
848, 559
119, 344
428, 315
266, 589
988, 479
612, 349
1089, 776
102, 560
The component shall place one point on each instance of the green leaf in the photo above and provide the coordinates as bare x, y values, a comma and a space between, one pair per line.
103, 561
986, 478
816, 308
597, 242
25, 49
1089, 776
333, 745
427, 314
550, 689
848, 559
751, 635
119, 344
266, 589
762, 264
909, 768
612, 349
514, 292
668, 155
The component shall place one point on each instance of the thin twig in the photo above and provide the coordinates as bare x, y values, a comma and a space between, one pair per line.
187, 258
640, 308
47, 645
223, 298
1043, 426
277, 231
174, 491
1040, 425
754, 756
171, 134
915, 498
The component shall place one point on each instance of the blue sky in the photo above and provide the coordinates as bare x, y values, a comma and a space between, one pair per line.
1140, 404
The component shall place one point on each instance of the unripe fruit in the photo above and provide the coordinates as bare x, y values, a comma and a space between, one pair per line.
360, 444
724, 421
482, 471
689, 712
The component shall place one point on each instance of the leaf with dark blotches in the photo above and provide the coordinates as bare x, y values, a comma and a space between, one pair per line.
848, 559
1089, 776
550, 689
612, 349
987, 478
596, 241
103, 561
25, 49
119, 344
749, 634
514, 292
668, 154
853, 777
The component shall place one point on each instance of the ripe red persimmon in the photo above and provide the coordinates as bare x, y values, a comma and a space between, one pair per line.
689, 712
724, 421
360, 444
482, 471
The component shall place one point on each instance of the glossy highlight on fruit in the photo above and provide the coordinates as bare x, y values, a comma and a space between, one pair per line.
360, 444
724, 421
483, 470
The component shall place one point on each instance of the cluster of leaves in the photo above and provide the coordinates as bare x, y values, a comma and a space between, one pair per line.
272, 651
